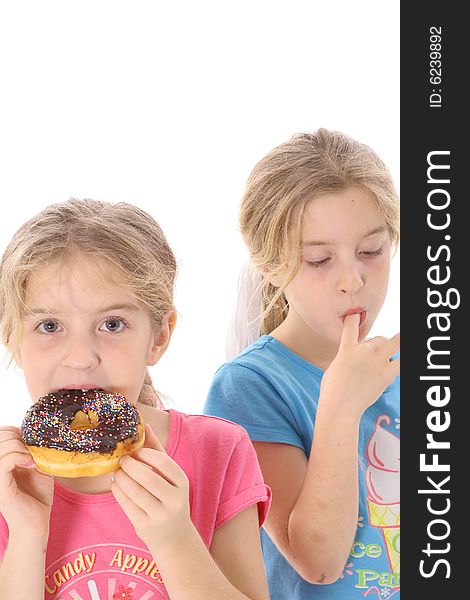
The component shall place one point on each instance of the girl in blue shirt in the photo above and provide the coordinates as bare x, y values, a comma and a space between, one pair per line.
319, 399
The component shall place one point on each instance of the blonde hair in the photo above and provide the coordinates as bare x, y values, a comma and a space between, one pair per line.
280, 187
120, 234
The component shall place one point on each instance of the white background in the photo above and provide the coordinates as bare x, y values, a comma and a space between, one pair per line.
169, 106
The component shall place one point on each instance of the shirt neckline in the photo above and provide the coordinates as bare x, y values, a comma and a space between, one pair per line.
293, 355
108, 497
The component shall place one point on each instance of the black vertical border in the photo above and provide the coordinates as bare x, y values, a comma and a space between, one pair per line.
425, 128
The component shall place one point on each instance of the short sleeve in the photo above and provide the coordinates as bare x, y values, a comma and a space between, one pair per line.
3, 536
244, 396
243, 484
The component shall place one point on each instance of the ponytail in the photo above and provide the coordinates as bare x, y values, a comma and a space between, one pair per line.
148, 394
274, 307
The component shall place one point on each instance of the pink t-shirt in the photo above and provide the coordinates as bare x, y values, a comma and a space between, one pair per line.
93, 552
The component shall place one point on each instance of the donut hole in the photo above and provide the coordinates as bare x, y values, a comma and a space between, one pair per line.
84, 420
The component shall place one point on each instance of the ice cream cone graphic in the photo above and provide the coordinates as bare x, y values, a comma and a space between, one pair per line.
387, 517
383, 479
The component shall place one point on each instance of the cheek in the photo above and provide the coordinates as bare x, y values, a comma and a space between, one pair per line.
125, 354
309, 289
34, 355
380, 274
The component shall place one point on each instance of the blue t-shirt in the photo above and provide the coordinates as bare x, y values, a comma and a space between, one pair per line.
273, 393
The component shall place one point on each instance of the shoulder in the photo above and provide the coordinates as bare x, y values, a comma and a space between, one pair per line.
220, 446
209, 432
265, 370
263, 360
265, 352
240, 385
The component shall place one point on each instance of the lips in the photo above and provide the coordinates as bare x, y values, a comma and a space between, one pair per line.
80, 386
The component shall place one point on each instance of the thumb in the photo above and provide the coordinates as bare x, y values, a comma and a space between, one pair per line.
151, 440
350, 333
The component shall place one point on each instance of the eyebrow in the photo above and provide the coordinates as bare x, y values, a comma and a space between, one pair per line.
47, 311
319, 243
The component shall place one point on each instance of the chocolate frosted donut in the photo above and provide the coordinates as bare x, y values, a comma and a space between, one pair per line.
77, 433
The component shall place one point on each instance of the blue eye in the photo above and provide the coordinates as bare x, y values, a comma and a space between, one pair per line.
113, 325
48, 326
319, 263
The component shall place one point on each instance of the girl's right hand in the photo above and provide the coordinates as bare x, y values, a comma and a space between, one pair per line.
25, 493
360, 371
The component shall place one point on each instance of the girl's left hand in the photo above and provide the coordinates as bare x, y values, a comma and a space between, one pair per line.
153, 491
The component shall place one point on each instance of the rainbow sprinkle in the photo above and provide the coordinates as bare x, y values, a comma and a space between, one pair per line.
47, 422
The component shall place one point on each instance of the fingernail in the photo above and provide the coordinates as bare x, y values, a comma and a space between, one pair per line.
29, 464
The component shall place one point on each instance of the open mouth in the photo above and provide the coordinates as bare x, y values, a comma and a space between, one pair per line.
78, 388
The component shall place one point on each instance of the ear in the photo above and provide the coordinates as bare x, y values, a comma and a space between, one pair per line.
161, 338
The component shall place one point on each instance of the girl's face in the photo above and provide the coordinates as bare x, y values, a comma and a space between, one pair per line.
345, 265
80, 332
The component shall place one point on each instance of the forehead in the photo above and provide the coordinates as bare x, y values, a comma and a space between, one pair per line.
335, 217
78, 284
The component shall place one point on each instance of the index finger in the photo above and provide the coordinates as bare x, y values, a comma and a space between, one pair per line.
350, 333
10, 428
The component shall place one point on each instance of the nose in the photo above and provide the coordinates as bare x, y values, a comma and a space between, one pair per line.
80, 354
350, 278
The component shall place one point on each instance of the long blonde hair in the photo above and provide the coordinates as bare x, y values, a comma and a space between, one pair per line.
120, 234
280, 187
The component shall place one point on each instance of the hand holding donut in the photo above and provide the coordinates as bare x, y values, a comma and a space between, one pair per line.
153, 491
25, 493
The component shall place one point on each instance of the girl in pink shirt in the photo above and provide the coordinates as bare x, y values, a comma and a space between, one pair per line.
86, 301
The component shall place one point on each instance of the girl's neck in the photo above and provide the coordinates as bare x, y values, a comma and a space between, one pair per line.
298, 337
87, 485
158, 419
